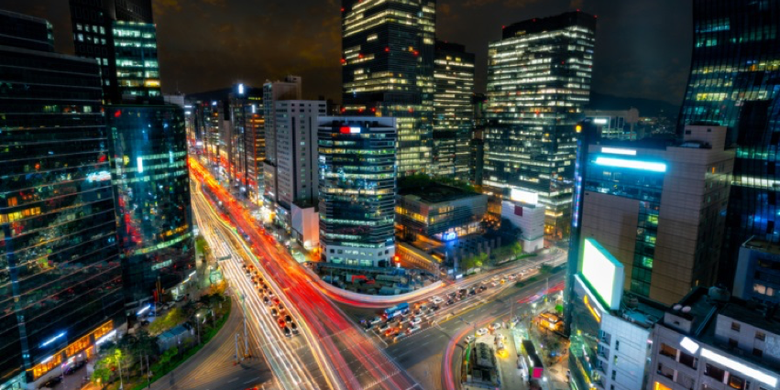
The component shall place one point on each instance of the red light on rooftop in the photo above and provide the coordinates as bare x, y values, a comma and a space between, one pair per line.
503, 27
344, 130
342, 9
417, 53
411, 109
373, 109
117, 113
360, 55
387, 49
343, 61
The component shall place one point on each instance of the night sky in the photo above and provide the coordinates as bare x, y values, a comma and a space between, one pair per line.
643, 47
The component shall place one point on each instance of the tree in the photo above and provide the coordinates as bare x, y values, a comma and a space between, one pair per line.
517, 248
103, 369
167, 356
545, 269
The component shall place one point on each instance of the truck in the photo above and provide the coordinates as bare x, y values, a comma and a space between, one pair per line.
390, 311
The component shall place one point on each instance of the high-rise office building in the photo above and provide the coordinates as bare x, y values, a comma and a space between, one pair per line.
734, 80
453, 110
539, 77
153, 197
93, 37
658, 207
246, 141
388, 50
296, 155
147, 145
60, 272
357, 189
274, 91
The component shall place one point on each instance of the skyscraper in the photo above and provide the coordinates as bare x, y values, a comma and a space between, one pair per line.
248, 128
93, 23
152, 186
273, 91
388, 50
357, 189
734, 80
539, 77
60, 272
296, 155
453, 120
147, 146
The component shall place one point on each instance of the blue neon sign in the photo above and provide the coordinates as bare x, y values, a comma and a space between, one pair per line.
631, 164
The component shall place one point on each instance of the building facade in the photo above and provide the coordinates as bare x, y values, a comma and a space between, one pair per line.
758, 272
247, 140
735, 73
60, 271
357, 185
620, 124
93, 37
439, 211
388, 50
453, 122
296, 130
137, 70
274, 91
711, 341
152, 190
658, 207
539, 77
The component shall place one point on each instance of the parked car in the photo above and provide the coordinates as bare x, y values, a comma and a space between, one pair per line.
469, 339
287, 332
482, 332
274, 312
294, 327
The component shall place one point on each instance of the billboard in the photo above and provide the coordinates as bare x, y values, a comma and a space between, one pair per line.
603, 272
523, 196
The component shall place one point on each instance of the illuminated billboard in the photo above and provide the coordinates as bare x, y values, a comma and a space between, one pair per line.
603, 272
524, 196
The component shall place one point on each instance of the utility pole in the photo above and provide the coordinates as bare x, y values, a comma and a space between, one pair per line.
148, 373
236, 356
246, 340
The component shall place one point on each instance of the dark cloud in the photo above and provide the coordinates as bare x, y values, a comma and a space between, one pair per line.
643, 47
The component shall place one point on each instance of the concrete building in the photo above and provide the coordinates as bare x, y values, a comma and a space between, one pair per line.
295, 133
620, 124
610, 330
439, 211
529, 218
274, 91
539, 76
357, 189
758, 272
657, 206
711, 341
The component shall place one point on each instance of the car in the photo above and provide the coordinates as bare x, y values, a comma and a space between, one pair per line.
274, 312
286, 331
482, 332
391, 332
472, 292
413, 329
434, 308
416, 320
375, 320
384, 325
497, 325
288, 318
277, 301
450, 302
495, 278
281, 323
494, 284
144, 322
280, 305
469, 339
294, 327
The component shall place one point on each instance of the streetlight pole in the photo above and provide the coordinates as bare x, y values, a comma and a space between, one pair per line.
118, 355
197, 319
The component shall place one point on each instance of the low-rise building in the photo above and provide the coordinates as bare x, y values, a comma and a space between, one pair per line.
439, 211
758, 272
712, 341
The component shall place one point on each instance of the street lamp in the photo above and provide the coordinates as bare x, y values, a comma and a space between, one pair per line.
118, 355
197, 319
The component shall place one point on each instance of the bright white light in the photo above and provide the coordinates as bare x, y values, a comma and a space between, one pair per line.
603, 272
690, 345
47, 359
142, 311
99, 176
199, 143
140, 162
522, 196
170, 156
734, 365
254, 109
626, 152
51, 340
354, 130
105, 338
240, 89
633, 164
600, 121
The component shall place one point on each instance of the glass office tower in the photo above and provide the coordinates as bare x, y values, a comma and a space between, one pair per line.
93, 37
153, 197
60, 273
453, 120
137, 71
357, 189
735, 82
539, 77
388, 50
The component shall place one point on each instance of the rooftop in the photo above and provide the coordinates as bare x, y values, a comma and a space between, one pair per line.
763, 246
436, 193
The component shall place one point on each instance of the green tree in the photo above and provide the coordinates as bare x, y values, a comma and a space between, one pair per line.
103, 370
545, 269
517, 248
167, 356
